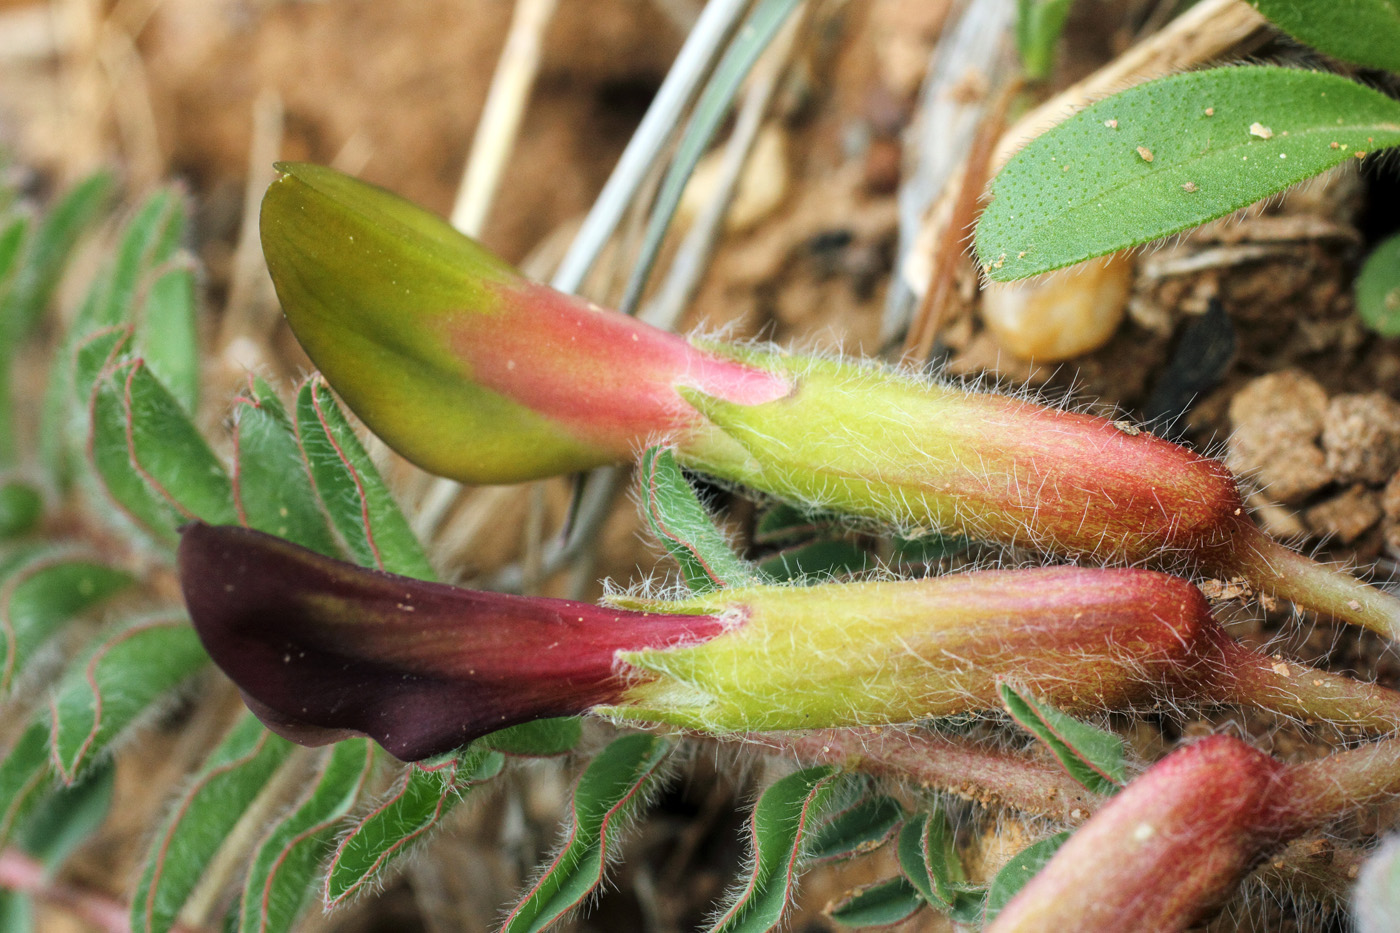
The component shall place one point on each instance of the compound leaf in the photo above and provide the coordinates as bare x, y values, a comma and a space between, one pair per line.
683, 526
1092, 756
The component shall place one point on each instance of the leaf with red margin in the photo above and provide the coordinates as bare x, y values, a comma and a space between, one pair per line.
42, 594
427, 792
283, 871
26, 773
117, 680
611, 790
777, 833
205, 816
271, 482
1092, 756
686, 530
360, 506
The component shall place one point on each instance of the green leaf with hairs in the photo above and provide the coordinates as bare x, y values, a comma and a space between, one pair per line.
46, 255
682, 525
777, 836
609, 793
857, 829
820, 559
26, 774
37, 598
1018, 872
284, 869
112, 684
1378, 288
203, 818
358, 502
882, 904
542, 738
151, 458
929, 859
1171, 154
169, 333
1092, 756
1366, 32
271, 482
21, 507
426, 793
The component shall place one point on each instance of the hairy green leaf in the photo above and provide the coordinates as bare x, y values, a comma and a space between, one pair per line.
683, 526
26, 772
858, 829
821, 559
234, 774
783, 523
882, 904
1092, 756
1018, 872
543, 738
271, 484
283, 871
1366, 32
929, 859
21, 507
359, 504
151, 458
36, 599
48, 252
169, 334
610, 791
1378, 288
1170, 154
112, 684
150, 239
426, 794
777, 832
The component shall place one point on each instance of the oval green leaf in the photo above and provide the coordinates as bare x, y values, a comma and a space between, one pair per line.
1169, 155
1366, 32
1378, 288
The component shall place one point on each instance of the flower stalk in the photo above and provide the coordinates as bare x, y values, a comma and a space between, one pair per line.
323, 649
473, 372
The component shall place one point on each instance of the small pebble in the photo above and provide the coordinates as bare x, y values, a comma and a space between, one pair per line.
1361, 435
1347, 516
1277, 419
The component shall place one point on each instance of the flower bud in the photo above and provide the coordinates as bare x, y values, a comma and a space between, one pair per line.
1162, 854
473, 372
321, 647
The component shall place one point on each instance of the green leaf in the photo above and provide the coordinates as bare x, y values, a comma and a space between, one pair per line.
271, 484
26, 773
1038, 27
112, 684
169, 334
882, 904
151, 458
542, 738
150, 239
48, 253
1092, 756
821, 559
426, 794
21, 507
283, 871
681, 523
1085, 188
1366, 32
784, 523
38, 598
68, 817
856, 830
1018, 872
777, 833
928, 549
1378, 288
359, 504
234, 774
611, 790
714, 105
929, 859
63, 821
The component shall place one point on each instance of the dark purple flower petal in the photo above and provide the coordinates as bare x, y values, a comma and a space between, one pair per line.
324, 647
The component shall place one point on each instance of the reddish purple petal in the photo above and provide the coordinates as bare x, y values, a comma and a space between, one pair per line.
324, 647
